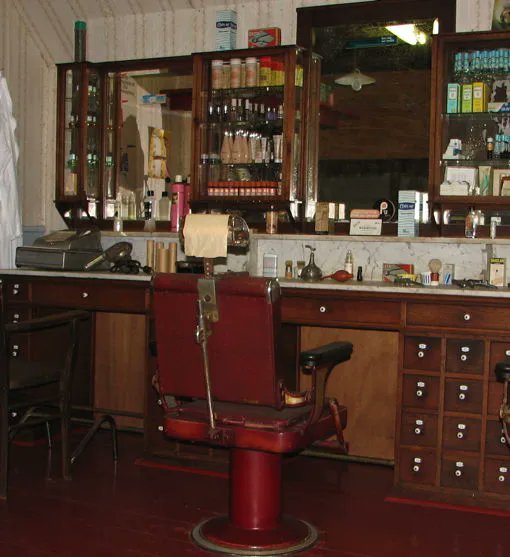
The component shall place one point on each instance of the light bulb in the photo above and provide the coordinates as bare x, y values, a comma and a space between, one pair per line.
356, 84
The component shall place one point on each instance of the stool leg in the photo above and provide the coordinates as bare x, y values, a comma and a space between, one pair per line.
92, 431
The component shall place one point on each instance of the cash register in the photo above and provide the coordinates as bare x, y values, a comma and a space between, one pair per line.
65, 250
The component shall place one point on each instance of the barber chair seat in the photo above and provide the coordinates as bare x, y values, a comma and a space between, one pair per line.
253, 412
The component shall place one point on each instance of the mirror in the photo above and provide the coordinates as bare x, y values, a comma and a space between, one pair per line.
153, 143
374, 96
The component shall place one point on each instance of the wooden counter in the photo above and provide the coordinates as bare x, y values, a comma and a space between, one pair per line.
420, 387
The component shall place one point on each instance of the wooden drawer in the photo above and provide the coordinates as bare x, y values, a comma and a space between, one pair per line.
420, 391
422, 353
418, 429
326, 311
463, 396
100, 294
417, 466
499, 352
496, 477
15, 290
459, 316
463, 434
494, 397
495, 442
16, 314
460, 472
464, 356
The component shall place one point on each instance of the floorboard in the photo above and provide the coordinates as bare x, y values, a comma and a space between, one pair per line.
139, 511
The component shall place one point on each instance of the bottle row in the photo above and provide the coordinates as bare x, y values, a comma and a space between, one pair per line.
250, 72
243, 189
243, 110
247, 147
482, 62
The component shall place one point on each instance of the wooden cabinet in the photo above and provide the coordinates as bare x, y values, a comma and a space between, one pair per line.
250, 113
108, 116
451, 406
470, 147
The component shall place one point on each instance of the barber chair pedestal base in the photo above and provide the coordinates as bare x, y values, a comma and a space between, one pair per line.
255, 525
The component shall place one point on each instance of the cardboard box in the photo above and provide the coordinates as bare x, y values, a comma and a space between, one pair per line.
409, 207
497, 271
467, 98
480, 97
226, 30
392, 270
268, 36
453, 98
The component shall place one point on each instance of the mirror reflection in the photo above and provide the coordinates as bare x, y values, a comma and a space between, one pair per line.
154, 143
374, 111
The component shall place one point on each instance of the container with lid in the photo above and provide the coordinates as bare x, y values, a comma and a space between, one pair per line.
251, 72
235, 73
216, 74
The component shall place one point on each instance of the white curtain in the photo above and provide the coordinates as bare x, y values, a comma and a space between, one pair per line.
10, 220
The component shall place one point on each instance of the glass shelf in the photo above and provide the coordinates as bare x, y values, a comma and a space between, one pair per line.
249, 92
496, 163
474, 115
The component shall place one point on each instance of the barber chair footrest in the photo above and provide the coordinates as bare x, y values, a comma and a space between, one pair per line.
220, 535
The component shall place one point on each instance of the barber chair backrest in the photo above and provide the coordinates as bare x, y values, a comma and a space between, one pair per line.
242, 348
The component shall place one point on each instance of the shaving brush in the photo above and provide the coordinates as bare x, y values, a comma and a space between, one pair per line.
434, 266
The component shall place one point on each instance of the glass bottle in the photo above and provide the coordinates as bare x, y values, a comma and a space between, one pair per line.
164, 207
471, 224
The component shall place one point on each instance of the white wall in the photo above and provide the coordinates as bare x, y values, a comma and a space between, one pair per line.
36, 35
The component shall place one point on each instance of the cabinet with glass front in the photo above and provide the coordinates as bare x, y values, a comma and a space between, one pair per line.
248, 118
123, 130
471, 151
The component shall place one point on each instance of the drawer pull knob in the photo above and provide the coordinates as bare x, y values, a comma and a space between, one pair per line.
160, 428
467, 317
507, 352
421, 354
419, 393
416, 468
502, 440
84, 294
418, 431
160, 402
460, 435
458, 473
14, 353
463, 357
462, 396
322, 309
15, 291
501, 478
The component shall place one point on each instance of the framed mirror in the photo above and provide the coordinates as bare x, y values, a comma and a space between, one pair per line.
375, 96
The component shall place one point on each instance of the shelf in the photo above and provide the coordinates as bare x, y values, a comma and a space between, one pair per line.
496, 163
493, 201
474, 115
245, 124
248, 92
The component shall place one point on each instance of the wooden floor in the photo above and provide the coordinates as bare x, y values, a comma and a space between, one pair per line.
136, 511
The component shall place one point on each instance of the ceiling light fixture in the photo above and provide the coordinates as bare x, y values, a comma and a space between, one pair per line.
355, 79
409, 33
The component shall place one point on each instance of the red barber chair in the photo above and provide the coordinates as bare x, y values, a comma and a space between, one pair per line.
221, 383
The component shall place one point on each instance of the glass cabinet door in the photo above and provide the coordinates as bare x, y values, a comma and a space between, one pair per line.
248, 126
473, 148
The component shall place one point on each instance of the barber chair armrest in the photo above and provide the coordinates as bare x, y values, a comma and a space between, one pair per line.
502, 370
319, 362
47, 322
328, 355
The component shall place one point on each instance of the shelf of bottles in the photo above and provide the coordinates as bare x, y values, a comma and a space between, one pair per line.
242, 135
82, 138
475, 137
